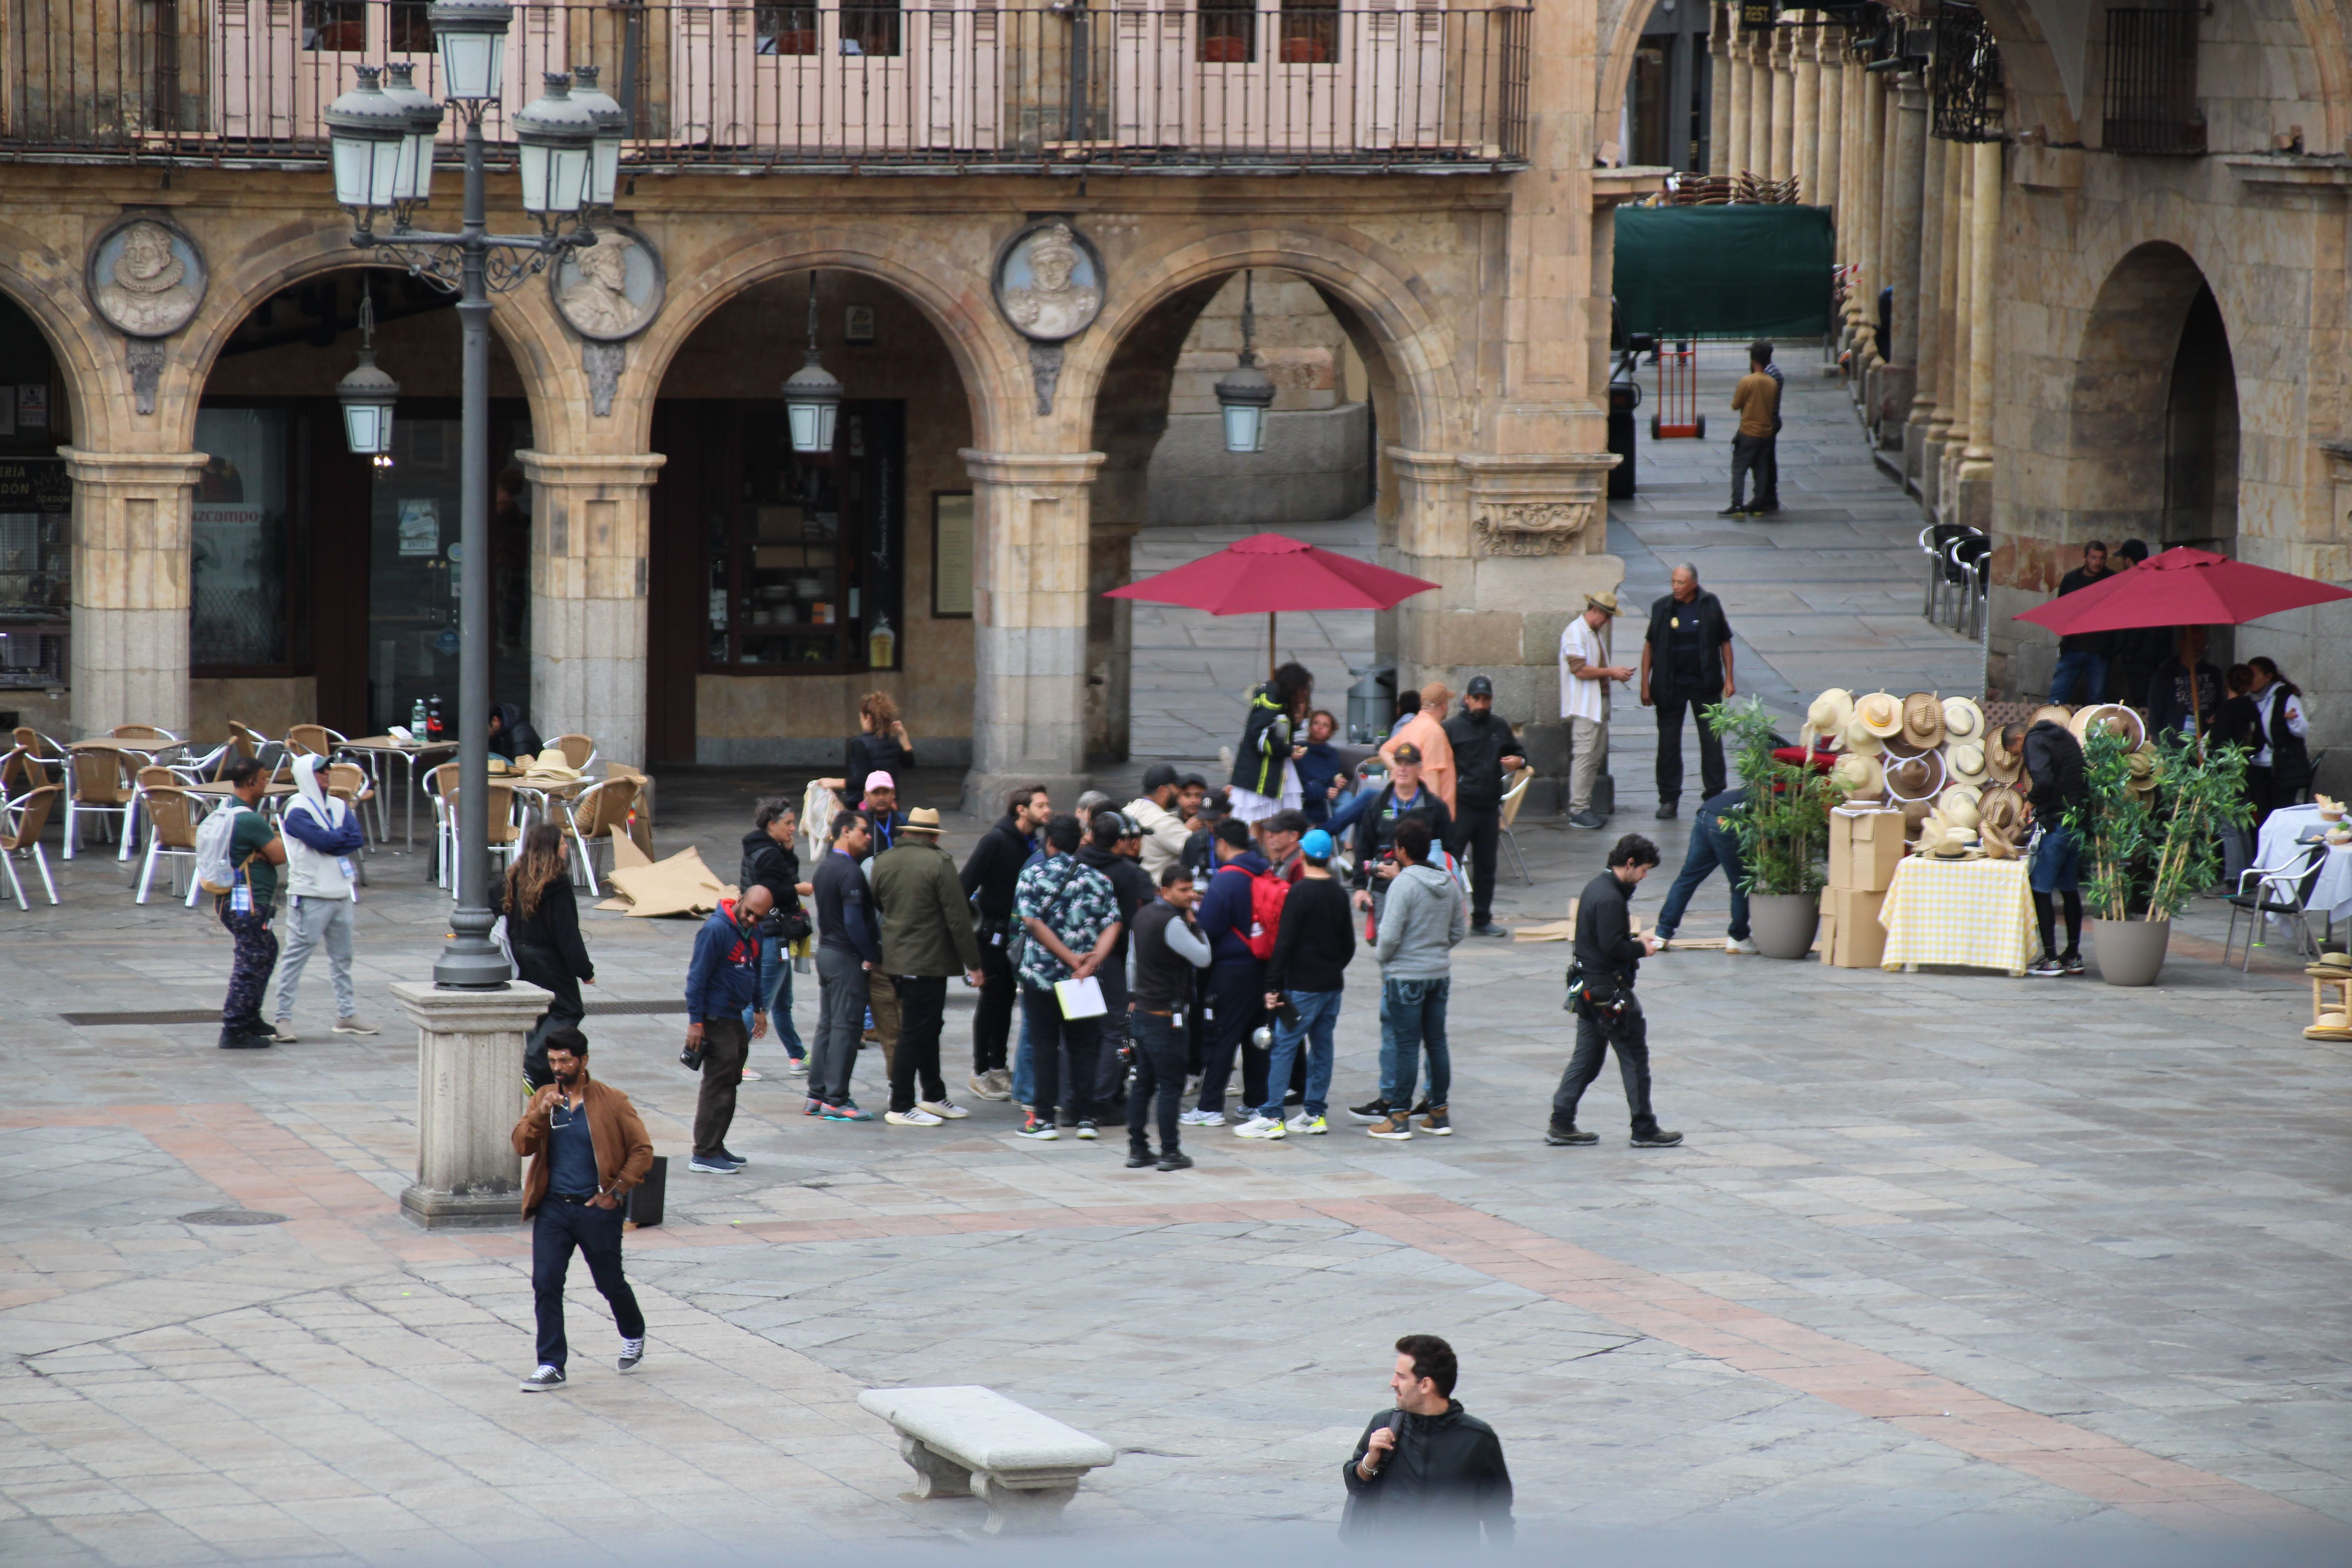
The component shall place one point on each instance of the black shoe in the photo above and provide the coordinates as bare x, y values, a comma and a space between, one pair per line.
1489, 929
1571, 1138
1766, 509
1656, 1139
1371, 1110
1735, 510
234, 1038
1138, 1158
1176, 1160
1667, 811
2046, 968
2071, 962
1588, 819
1420, 1110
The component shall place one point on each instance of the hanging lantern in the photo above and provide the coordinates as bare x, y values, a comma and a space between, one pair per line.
812, 394
612, 128
1245, 392
557, 139
413, 182
366, 130
471, 35
367, 396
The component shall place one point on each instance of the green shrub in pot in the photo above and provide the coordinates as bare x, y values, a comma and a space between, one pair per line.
1783, 831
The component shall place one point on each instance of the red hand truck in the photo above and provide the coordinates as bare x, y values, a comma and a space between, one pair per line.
1677, 414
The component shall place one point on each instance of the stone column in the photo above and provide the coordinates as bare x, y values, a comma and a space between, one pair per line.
1934, 235
1760, 102
589, 527
1955, 392
1830, 128
1029, 624
468, 1078
1806, 117
1780, 54
1869, 183
1951, 328
1718, 95
1738, 80
130, 543
1907, 167
1973, 502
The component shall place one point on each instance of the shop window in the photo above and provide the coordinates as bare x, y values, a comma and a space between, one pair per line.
36, 510
1310, 32
806, 566
1228, 31
243, 542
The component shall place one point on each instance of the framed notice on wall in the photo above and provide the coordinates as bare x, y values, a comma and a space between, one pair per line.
951, 546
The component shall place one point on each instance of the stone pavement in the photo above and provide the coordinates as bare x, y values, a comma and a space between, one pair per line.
1944, 1251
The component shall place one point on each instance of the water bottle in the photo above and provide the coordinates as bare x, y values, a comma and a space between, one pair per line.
417, 720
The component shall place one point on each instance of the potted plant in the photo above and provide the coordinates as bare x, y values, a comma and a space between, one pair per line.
2150, 832
1783, 830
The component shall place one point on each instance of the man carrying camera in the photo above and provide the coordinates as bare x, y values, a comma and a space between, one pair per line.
1601, 994
721, 980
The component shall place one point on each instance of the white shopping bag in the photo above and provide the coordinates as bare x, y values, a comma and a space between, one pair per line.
1080, 998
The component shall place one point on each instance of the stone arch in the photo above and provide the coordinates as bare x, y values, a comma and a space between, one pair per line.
75, 338
948, 288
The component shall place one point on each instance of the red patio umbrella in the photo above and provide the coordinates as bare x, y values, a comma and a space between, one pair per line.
2182, 587
1268, 573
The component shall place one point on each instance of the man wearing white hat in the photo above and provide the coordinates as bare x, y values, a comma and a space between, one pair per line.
321, 836
1585, 673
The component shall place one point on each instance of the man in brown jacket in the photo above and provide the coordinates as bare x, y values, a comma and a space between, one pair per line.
586, 1148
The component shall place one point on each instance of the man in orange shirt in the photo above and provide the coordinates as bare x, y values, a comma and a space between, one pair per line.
1426, 729
1757, 400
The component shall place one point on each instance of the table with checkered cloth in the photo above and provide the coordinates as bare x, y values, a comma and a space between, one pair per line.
1976, 914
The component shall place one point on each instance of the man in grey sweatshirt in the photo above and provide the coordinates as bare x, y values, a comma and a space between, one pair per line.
1420, 924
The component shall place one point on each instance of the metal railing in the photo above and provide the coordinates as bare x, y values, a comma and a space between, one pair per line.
2151, 85
823, 84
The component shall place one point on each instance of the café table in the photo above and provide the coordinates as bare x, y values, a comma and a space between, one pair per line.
408, 752
1971, 914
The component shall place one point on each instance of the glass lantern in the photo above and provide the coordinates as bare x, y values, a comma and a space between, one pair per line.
556, 135
471, 35
367, 129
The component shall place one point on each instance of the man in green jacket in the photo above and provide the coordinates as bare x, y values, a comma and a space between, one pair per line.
927, 937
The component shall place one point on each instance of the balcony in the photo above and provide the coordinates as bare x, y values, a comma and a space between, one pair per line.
1232, 86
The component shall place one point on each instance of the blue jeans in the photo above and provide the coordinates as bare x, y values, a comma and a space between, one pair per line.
776, 986
1413, 1019
2085, 672
1318, 1015
1024, 1073
2057, 862
1711, 844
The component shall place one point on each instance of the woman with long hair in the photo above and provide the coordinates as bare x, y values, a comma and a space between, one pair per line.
2280, 769
1266, 769
880, 746
544, 930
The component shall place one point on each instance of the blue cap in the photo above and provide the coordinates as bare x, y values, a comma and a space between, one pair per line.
1317, 844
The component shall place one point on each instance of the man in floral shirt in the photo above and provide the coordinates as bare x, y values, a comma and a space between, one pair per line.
1069, 915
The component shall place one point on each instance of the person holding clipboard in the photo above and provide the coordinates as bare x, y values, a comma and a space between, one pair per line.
1069, 923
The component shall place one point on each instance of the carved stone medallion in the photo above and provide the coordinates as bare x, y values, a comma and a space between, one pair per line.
146, 276
612, 290
1049, 282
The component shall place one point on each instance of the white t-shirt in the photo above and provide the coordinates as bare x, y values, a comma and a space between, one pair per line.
1582, 698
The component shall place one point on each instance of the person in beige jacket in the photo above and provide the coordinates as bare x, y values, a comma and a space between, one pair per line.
1154, 811
1426, 729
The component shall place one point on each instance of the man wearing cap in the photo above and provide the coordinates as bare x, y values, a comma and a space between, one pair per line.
1425, 730
1154, 812
927, 939
1304, 981
1585, 673
1485, 750
881, 811
1374, 815
884, 822
1112, 851
1685, 666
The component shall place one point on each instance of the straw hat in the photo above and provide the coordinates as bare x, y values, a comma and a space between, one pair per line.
2142, 766
1604, 600
2004, 765
1880, 713
922, 819
2000, 822
1963, 720
1919, 778
1860, 775
1958, 805
2052, 711
2334, 961
1923, 719
1916, 815
1966, 763
1830, 712
1860, 741
2124, 722
1957, 844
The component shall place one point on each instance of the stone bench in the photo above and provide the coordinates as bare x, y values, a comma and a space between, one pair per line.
1029, 1465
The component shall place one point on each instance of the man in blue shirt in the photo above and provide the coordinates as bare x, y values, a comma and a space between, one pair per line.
1713, 843
849, 947
1236, 975
722, 979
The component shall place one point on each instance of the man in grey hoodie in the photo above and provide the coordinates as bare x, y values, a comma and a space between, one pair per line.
1420, 924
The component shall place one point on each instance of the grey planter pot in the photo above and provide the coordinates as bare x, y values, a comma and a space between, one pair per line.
2130, 951
1783, 925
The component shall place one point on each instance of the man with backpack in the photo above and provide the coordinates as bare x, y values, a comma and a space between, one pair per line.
1231, 916
237, 857
323, 833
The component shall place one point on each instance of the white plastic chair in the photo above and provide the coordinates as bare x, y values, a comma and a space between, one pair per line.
1511, 799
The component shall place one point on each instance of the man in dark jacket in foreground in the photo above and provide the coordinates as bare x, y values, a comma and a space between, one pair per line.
1427, 1467
1608, 1015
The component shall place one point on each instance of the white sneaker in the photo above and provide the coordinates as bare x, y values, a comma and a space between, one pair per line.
543, 1379
1740, 944
796, 1066
1264, 1127
632, 1353
945, 1110
983, 1084
1202, 1119
1302, 1122
751, 1077
916, 1118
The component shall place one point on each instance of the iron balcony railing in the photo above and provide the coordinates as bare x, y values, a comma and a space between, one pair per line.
1261, 83
2151, 84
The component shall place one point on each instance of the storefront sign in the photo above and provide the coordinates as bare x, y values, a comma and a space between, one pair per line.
420, 527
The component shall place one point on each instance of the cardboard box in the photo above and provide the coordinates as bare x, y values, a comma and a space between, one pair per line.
1865, 847
1857, 941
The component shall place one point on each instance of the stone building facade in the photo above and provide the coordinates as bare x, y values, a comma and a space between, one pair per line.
670, 580
2118, 309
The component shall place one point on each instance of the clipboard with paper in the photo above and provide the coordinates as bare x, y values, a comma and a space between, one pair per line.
1080, 998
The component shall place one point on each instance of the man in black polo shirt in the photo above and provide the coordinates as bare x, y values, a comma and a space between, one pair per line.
1485, 750
1685, 666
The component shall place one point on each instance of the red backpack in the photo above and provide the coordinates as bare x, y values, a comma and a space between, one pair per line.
1267, 894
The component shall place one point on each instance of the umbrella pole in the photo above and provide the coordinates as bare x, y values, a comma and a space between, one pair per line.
2196, 707
1270, 616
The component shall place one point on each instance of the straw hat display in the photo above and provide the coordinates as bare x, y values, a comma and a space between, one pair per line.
1923, 721
1963, 720
2000, 823
2142, 767
1953, 843
1861, 776
1860, 741
2052, 711
2004, 765
1966, 763
1919, 778
1828, 717
1958, 806
2124, 722
1880, 713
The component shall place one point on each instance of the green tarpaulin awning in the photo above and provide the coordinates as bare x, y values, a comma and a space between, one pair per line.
1747, 270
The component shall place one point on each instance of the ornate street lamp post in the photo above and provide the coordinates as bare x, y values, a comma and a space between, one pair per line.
382, 161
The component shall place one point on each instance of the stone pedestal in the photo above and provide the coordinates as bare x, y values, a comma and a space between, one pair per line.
469, 1096
588, 564
131, 547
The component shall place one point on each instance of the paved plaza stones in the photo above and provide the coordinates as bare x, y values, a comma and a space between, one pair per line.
1942, 1251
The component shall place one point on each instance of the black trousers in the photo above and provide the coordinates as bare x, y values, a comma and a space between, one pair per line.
1158, 1082
1478, 831
545, 966
1049, 1032
1670, 749
557, 1228
922, 1009
1629, 1036
726, 1047
1237, 994
1110, 1073
991, 1020
1767, 472
1749, 454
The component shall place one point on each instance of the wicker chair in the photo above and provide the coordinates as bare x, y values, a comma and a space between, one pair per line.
172, 815
102, 782
578, 750
505, 837
21, 771
44, 749
598, 813
1512, 798
28, 814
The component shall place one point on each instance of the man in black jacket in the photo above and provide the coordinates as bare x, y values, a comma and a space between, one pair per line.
1427, 1468
1608, 1013
849, 947
1304, 981
1485, 749
769, 862
2055, 786
1114, 846
989, 876
1374, 815
1687, 664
